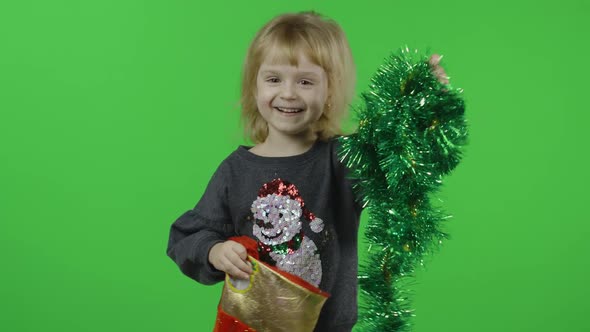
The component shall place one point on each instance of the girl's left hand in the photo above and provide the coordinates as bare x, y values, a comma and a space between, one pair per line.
437, 70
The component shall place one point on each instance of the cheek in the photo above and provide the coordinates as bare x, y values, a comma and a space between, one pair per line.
263, 99
319, 101
319, 98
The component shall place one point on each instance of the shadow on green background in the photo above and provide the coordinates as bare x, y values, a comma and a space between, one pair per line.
114, 114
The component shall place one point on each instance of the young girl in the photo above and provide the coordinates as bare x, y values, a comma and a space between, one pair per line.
289, 192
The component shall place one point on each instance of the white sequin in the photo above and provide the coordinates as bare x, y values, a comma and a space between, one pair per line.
281, 221
304, 262
280, 215
317, 225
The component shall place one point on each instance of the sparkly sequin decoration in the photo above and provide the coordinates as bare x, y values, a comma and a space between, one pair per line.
304, 262
276, 218
278, 213
317, 225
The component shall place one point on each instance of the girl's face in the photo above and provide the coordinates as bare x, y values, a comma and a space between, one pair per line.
291, 98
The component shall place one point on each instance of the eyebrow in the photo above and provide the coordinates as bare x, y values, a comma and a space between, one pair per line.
299, 73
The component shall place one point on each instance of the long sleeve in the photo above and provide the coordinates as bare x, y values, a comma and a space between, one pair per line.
194, 233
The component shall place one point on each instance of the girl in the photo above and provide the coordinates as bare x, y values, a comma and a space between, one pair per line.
289, 192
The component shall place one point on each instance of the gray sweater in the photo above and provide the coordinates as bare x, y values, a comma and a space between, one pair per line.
247, 195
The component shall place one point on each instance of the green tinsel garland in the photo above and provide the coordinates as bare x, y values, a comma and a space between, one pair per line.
411, 129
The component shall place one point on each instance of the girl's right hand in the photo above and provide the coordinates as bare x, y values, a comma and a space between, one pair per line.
231, 258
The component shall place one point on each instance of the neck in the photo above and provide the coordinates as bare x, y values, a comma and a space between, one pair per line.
284, 146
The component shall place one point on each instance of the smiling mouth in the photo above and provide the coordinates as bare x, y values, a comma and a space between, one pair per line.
273, 237
288, 110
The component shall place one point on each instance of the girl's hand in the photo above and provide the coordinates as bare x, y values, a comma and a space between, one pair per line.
437, 70
231, 258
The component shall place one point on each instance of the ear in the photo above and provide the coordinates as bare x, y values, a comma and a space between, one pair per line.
328, 105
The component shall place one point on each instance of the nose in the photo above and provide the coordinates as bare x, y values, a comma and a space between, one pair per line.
287, 91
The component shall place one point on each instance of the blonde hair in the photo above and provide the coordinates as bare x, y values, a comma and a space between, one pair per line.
324, 43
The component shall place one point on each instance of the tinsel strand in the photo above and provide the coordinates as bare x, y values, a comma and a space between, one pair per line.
411, 130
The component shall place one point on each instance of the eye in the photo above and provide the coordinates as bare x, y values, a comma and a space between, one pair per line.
306, 82
273, 80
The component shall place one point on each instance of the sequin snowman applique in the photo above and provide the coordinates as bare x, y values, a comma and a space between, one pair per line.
278, 212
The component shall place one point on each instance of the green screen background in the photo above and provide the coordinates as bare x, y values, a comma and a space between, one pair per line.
114, 115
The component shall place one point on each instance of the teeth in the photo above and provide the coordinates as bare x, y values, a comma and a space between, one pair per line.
289, 110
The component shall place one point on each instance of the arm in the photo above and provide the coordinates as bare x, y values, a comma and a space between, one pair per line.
189, 244
195, 232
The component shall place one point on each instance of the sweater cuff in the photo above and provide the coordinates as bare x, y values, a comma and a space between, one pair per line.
209, 274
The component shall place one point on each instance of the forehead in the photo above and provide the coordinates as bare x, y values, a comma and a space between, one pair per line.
281, 58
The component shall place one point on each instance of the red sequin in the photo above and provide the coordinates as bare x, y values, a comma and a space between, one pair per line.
280, 187
285, 188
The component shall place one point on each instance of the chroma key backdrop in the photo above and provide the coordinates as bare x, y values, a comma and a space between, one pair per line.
115, 114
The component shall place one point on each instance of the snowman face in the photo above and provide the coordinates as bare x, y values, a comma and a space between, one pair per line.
277, 218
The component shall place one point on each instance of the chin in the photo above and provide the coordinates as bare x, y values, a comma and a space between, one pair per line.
295, 131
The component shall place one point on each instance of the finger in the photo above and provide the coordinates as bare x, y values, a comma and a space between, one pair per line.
237, 261
239, 268
228, 266
434, 60
237, 273
441, 75
240, 250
